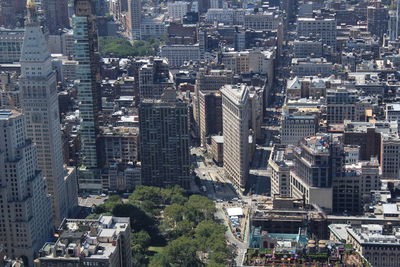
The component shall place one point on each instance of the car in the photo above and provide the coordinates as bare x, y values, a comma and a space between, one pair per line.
103, 195
98, 197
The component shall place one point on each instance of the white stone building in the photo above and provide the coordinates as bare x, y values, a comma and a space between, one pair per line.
25, 208
235, 117
177, 10
39, 101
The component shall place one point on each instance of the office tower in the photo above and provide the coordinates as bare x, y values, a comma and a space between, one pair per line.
352, 190
56, 12
209, 80
235, 121
9, 90
317, 161
377, 19
210, 114
25, 208
390, 156
11, 13
134, 18
39, 101
280, 171
296, 126
10, 44
88, 76
203, 6
321, 28
154, 77
164, 140
101, 242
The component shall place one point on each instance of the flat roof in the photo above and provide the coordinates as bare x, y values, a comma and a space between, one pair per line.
234, 211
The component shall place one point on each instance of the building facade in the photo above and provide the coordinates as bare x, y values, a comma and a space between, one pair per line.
10, 44
179, 54
235, 121
56, 12
39, 101
25, 208
88, 75
296, 127
164, 141
323, 28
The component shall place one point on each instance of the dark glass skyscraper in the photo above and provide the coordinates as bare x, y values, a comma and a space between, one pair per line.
88, 76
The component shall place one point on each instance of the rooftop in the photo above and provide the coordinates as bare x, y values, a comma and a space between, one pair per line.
83, 238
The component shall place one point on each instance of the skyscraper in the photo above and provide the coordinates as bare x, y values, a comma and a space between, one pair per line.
235, 126
164, 140
39, 101
56, 12
25, 209
134, 18
11, 13
88, 76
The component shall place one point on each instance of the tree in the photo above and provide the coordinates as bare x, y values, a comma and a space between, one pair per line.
138, 218
174, 194
119, 47
180, 252
141, 239
175, 212
182, 228
200, 208
146, 193
210, 236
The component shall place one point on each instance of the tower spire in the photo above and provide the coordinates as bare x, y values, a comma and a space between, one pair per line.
31, 18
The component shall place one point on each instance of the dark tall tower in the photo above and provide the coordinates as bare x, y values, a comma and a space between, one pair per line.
56, 12
88, 76
12, 13
164, 141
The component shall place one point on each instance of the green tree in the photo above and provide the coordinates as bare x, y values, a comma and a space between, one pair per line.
139, 219
141, 238
182, 228
200, 208
146, 193
175, 194
180, 252
175, 212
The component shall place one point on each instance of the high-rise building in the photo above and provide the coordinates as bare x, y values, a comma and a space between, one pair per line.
134, 18
25, 208
88, 76
210, 114
317, 161
39, 101
154, 77
390, 156
235, 121
377, 18
11, 13
297, 126
56, 12
164, 141
10, 44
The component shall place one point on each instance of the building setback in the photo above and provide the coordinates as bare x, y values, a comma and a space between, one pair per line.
39, 101
25, 208
88, 75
